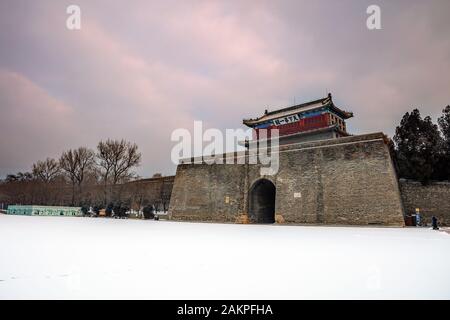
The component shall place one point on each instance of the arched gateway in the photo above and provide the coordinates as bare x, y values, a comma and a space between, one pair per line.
316, 154
262, 202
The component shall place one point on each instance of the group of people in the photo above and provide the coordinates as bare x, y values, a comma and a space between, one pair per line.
434, 221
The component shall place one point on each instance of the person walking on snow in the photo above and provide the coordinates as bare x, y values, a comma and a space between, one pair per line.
434, 223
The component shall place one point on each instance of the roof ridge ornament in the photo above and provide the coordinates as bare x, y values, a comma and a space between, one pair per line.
327, 99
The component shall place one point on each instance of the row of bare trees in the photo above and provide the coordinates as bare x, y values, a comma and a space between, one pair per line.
111, 164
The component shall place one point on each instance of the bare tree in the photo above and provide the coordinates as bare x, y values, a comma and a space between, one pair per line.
46, 170
166, 190
20, 176
20, 188
105, 162
117, 159
86, 162
76, 163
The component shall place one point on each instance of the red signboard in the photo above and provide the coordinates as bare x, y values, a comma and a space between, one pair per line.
305, 124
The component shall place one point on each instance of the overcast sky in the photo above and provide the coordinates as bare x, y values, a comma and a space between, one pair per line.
140, 69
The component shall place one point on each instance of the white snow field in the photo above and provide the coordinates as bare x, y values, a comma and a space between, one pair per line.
98, 258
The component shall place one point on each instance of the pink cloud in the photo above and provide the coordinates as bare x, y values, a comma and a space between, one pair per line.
34, 124
139, 73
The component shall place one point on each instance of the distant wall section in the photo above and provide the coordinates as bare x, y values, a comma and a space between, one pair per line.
432, 200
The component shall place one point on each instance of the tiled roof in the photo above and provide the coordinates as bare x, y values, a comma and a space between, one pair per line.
307, 106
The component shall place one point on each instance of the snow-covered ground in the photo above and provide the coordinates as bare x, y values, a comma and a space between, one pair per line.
66, 257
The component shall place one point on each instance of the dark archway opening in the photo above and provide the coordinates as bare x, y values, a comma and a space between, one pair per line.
262, 202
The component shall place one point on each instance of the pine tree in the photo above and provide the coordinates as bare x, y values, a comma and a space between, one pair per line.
444, 161
417, 144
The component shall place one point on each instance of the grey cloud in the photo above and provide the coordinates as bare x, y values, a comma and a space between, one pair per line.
140, 69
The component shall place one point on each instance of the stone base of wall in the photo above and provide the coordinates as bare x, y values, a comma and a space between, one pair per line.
242, 219
279, 219
432, 200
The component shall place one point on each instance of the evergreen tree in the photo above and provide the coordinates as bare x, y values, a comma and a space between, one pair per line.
417, 144
444, 161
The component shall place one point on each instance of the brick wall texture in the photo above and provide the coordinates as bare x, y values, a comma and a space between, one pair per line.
349, 181
432, 200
